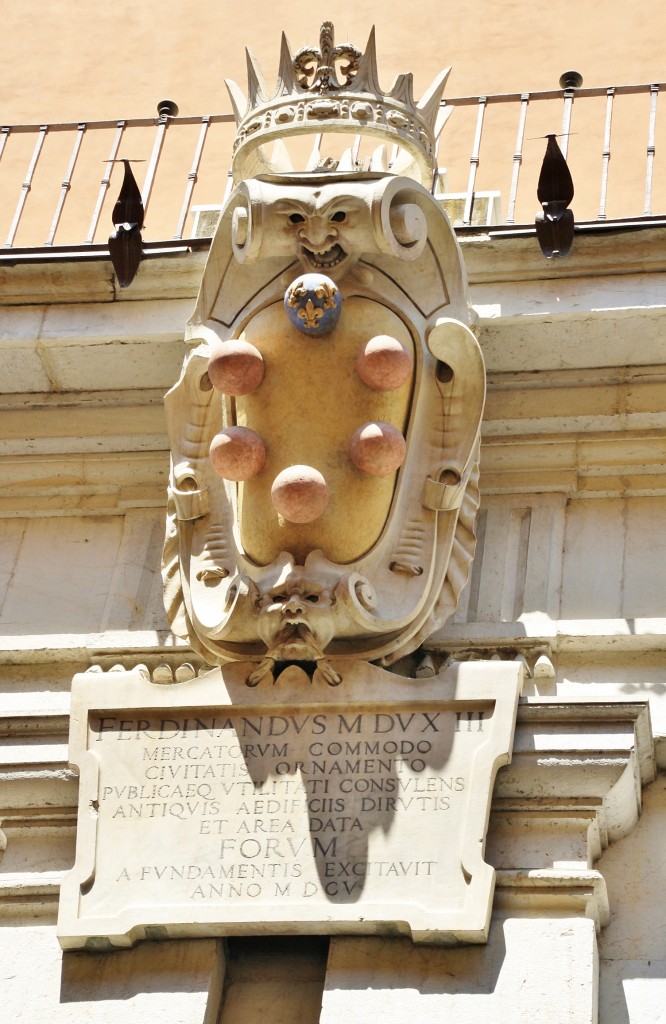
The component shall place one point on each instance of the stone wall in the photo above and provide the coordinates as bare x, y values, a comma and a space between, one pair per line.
568, 570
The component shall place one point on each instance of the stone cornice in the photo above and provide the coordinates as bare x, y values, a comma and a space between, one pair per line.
86, 275
624, 247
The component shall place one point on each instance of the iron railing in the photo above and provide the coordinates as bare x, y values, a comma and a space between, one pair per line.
489, 155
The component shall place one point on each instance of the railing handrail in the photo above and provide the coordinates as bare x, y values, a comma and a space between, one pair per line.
450, 101
114, 122
551, 94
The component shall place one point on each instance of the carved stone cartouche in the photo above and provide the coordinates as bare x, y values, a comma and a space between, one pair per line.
325, 428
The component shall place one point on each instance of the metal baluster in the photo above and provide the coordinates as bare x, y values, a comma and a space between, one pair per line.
569, 81
606, 155
654, 92
25, 187
192, 177
166, 109
517, 157
4, 135
474, 162
67, 184
106, 180
566, 121
230, 186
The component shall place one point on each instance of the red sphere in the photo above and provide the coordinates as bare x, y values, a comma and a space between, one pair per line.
377, 449
237, 453
384, 364
299, 494
236, 367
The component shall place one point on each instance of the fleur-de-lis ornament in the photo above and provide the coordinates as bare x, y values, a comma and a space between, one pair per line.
327, 292
310, 315
315, 68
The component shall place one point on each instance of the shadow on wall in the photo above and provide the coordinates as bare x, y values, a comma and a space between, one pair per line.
400, 966
82, 574
342, 818
199, 979
555, 557
179, 967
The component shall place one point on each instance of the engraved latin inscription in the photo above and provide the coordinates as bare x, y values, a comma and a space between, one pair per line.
225, 807
295, 806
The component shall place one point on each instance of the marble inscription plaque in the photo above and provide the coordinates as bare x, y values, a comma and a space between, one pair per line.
209, 808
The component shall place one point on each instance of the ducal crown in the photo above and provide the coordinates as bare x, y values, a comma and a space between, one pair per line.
334, 89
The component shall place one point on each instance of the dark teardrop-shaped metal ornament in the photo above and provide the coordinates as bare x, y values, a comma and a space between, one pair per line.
555, 190
125, 243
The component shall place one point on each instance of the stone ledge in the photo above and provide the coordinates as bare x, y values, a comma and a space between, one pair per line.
571, 635
88, 277
554, 892
534, 892
624, 248
65, 323
33, 896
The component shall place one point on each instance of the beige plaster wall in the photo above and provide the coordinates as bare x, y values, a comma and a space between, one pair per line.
91, 59
529, 970
88, 60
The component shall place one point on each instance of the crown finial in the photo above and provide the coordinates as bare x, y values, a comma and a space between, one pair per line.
334, 89
316, 69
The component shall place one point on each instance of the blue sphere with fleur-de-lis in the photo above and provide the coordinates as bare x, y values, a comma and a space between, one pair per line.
313, 304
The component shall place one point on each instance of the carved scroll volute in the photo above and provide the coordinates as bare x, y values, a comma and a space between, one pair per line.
402, 224
196, 509
458, 354
246, 224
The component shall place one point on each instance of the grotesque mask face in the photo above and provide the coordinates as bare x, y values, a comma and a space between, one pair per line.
325, 234
295, 620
